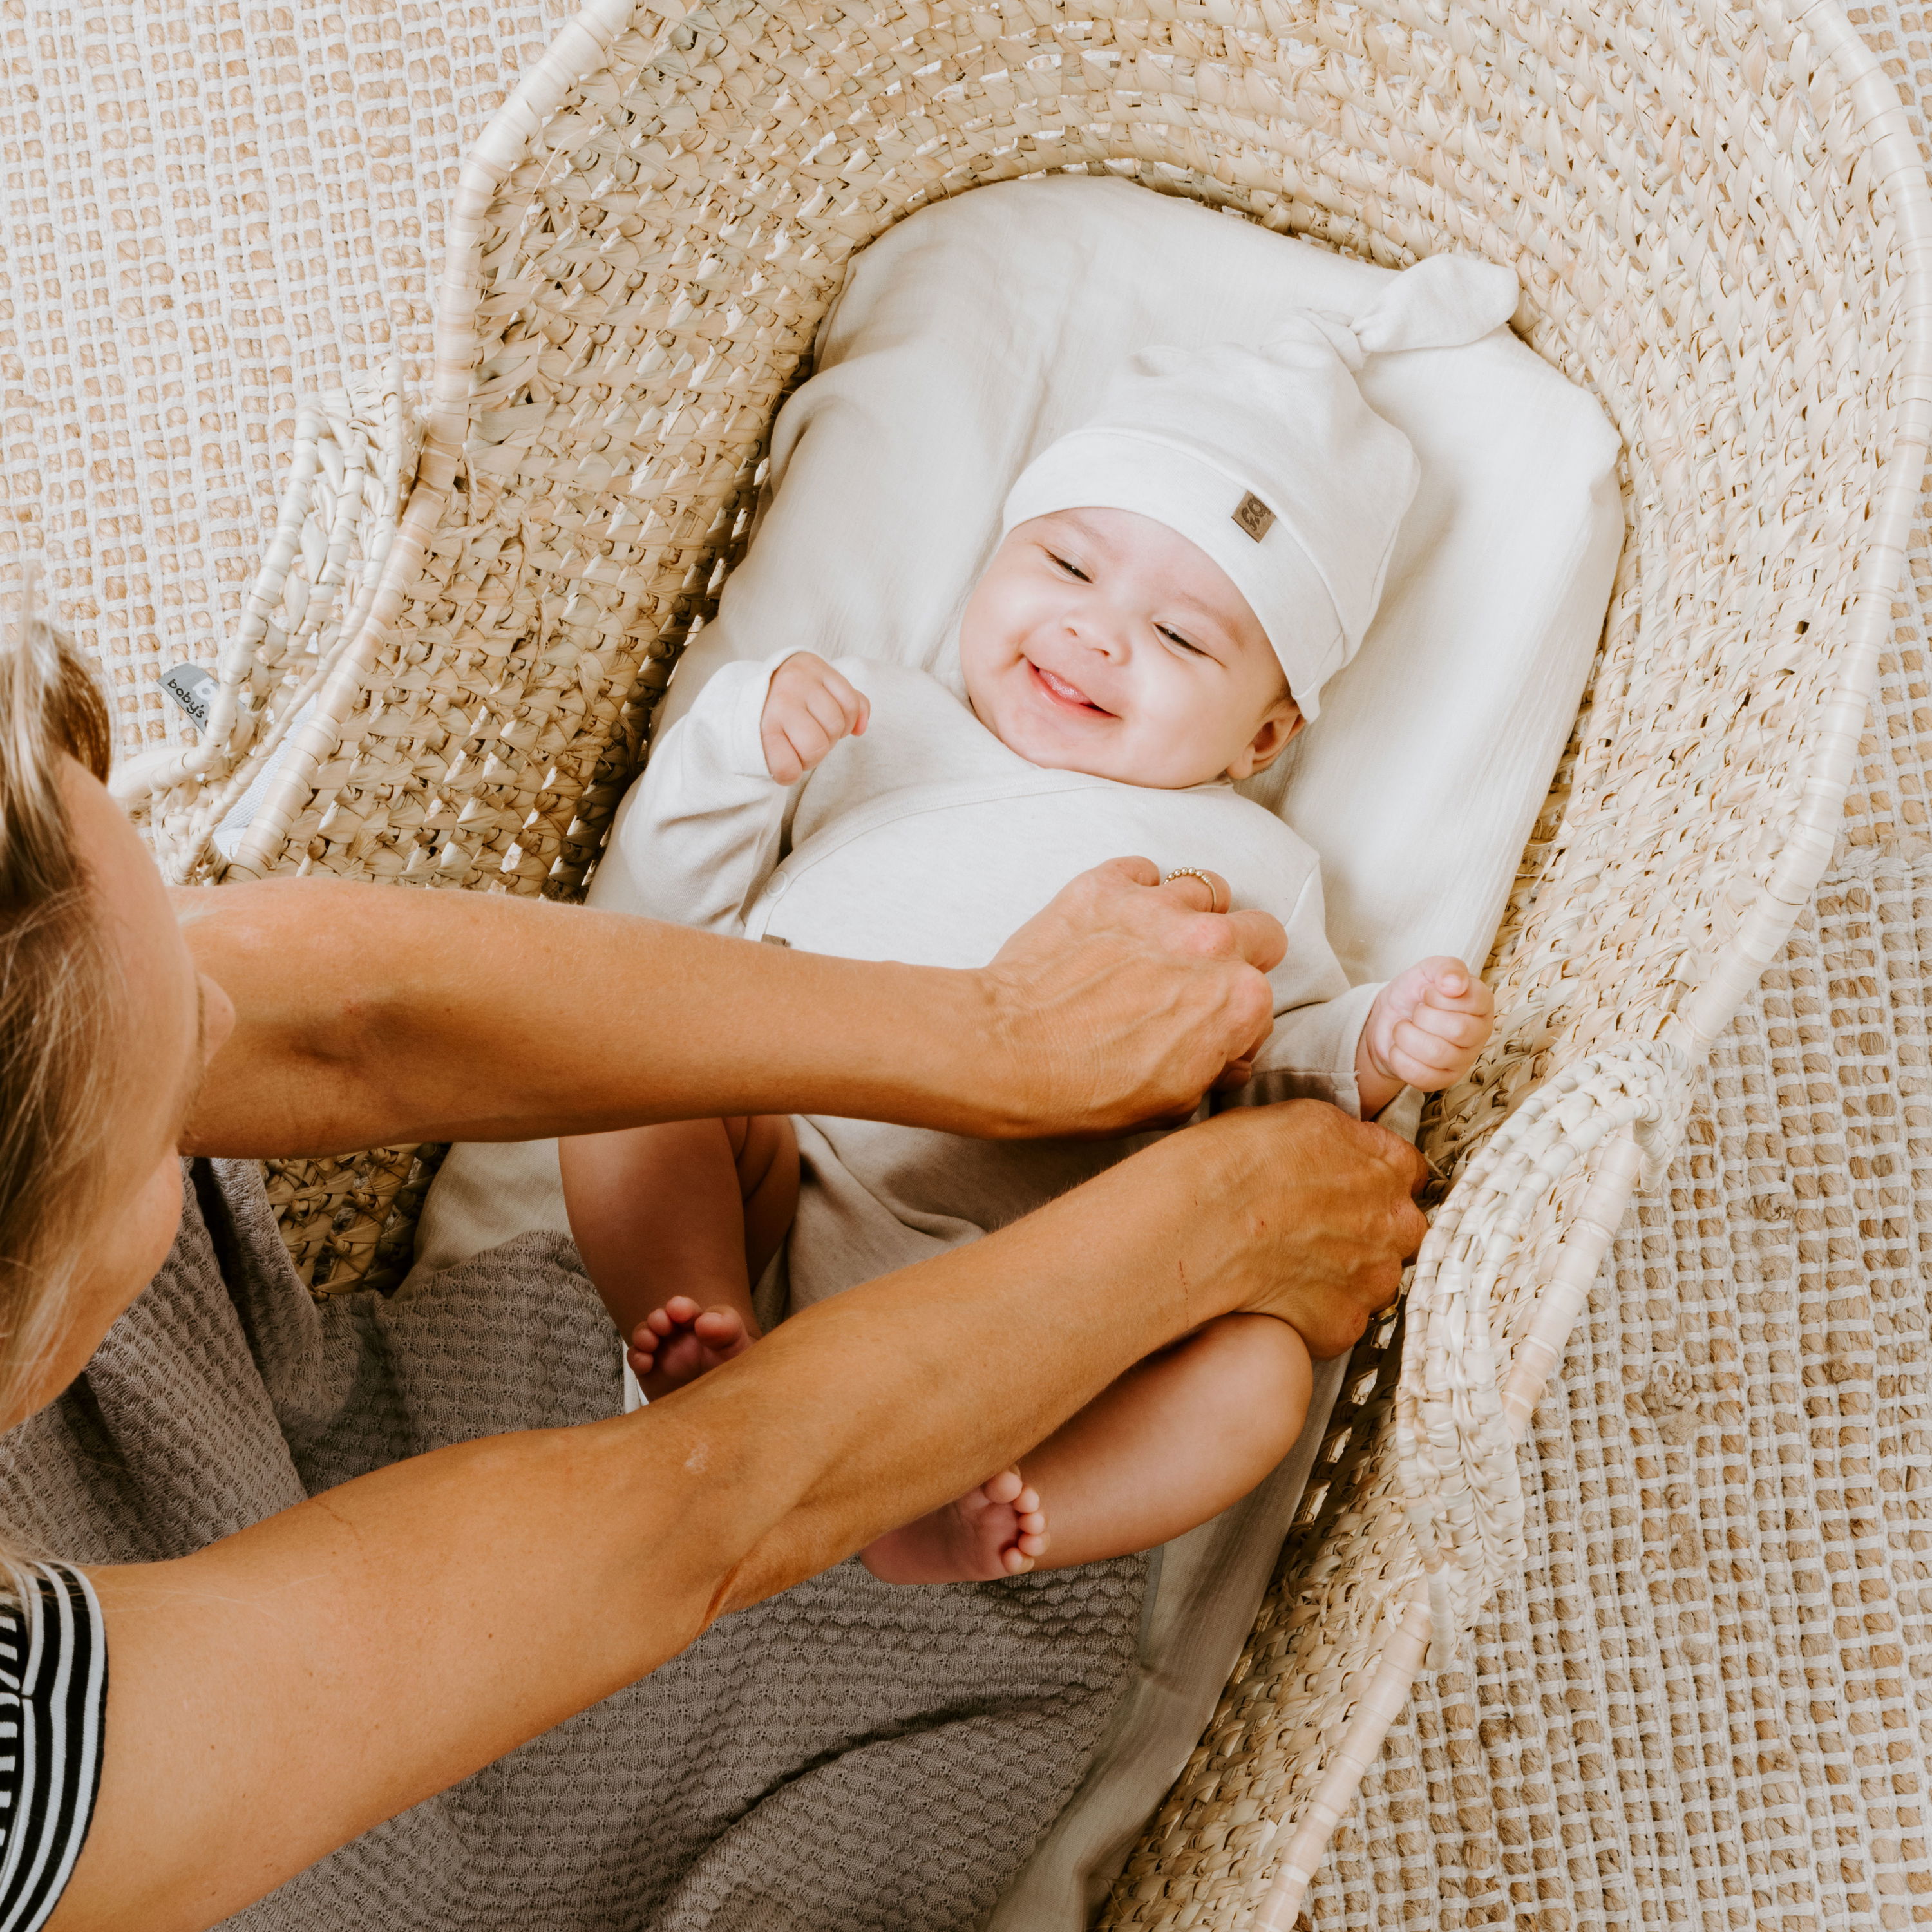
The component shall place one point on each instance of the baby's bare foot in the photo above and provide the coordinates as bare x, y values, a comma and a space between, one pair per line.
996, 1530
679, 1342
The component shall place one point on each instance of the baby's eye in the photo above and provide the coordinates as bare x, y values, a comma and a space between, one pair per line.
1176, 639
1071, 568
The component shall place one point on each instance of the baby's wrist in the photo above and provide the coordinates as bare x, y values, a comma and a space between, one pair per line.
1376, 1084
1368, 1062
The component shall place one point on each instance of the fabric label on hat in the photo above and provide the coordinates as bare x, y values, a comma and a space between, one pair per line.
1254, 516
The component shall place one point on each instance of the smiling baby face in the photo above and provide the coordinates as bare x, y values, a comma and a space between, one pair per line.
1102, 641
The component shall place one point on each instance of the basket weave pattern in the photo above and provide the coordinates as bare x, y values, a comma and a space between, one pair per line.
1715, 217
1707, 1699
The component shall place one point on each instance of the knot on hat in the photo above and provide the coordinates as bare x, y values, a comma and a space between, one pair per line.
1268, 458
1440, 303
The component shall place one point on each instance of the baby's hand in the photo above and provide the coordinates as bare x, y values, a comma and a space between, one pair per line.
809, 708
1425, 1030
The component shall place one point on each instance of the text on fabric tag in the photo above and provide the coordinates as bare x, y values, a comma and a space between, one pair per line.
1254, 516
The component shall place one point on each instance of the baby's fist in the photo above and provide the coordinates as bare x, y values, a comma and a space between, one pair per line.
809, 708
1428, 1024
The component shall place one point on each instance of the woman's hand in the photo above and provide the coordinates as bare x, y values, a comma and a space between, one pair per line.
1330, 1213
809, 708
1126, 1000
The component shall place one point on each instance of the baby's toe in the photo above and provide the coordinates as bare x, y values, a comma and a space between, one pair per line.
1030, 1522
1005, 1487
1033, 1546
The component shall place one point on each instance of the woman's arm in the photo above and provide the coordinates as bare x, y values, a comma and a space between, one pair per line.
367, 1015
289, 1687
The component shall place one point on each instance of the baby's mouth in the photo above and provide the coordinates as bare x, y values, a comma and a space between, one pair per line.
1061, 692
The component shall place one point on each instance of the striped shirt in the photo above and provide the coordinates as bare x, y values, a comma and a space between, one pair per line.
53, 1691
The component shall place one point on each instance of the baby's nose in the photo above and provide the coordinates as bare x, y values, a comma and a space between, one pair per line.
1099, 633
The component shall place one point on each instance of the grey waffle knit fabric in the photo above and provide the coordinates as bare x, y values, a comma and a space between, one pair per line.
763, 1780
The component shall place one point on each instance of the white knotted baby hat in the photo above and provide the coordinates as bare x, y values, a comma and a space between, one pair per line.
1270, 459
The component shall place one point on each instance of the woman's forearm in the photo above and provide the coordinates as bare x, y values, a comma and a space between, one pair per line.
1296, 1211
372, 1646
367, 1015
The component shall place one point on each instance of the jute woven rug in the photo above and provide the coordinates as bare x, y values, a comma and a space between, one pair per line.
1709, 1702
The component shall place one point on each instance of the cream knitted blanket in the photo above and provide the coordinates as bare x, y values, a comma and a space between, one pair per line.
1709, 1702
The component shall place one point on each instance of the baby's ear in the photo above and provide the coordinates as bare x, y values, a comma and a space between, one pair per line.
1278, 730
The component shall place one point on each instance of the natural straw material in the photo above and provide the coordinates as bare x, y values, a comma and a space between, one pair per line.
1718, 220
1349, 1625
1706, 1700
213, 223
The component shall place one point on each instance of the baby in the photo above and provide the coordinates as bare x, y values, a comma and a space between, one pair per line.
1175, 581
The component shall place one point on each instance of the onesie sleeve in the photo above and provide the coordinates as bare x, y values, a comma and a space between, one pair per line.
697, 836
1319, 1017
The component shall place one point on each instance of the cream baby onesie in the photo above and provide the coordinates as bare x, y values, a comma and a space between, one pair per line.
927, 841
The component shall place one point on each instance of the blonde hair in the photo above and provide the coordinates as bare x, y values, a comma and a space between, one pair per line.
56, 978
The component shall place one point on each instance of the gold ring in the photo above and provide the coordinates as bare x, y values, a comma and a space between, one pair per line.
1195, 872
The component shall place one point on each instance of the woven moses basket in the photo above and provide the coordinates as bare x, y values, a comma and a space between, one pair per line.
1719, 224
